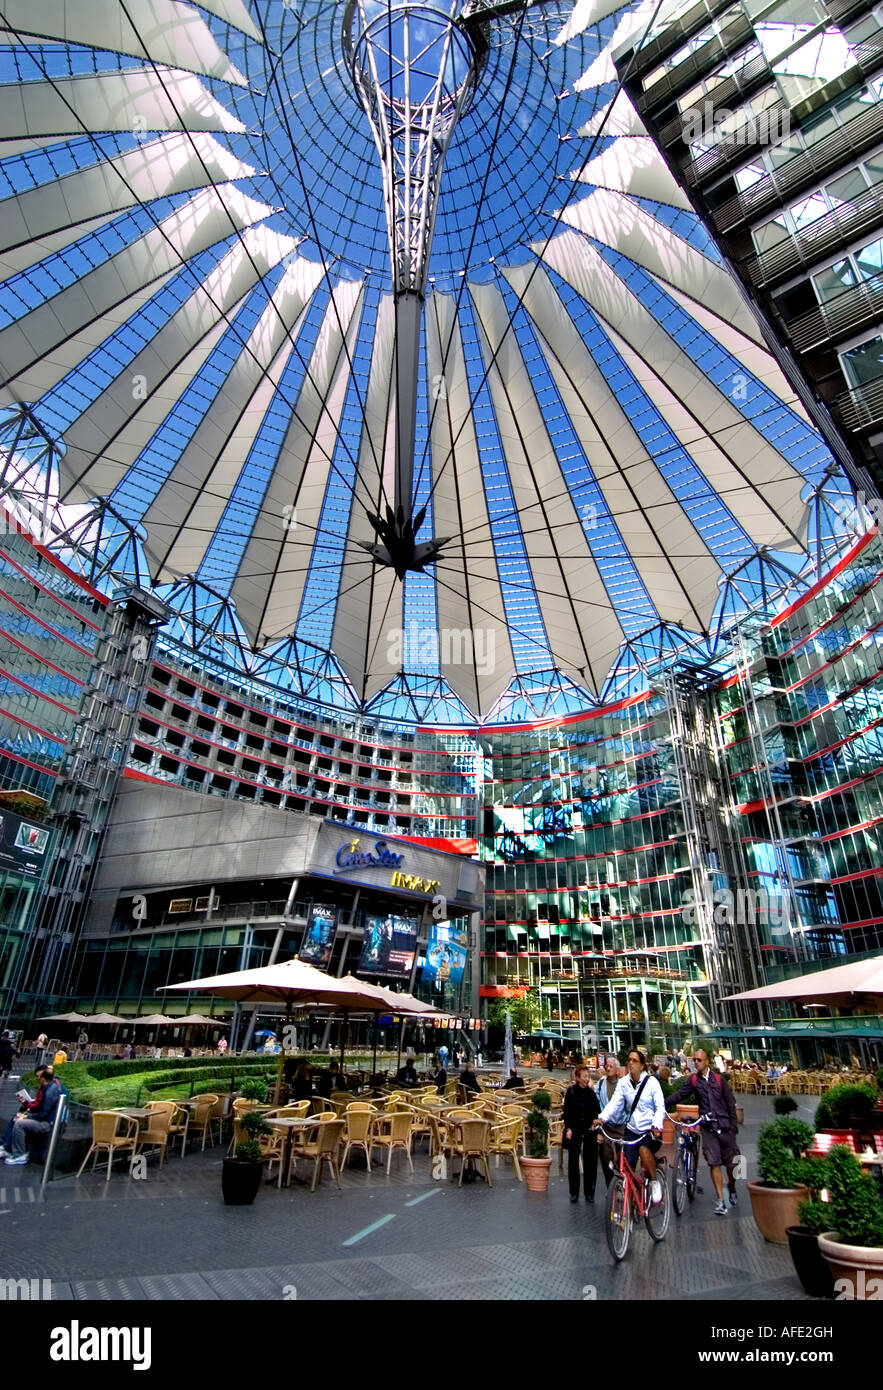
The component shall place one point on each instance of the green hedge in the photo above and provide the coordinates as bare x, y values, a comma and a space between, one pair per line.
105, 1085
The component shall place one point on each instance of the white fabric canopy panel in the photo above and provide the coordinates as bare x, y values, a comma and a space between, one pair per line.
162, 98
468, 595
182, 519
676, 567
161, 31
270, 580
103, 444
582, 629
41, 348
51, 216
752, 478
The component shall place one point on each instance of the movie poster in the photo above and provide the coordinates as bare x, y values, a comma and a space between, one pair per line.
446, 953
318, 942
390, 945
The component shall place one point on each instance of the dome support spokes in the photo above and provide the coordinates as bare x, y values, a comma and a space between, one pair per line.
414, 68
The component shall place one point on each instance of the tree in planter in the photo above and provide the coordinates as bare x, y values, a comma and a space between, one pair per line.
779, 1149
538, 1124
253, 1125
783, 1177
837, 1106
784, 1105
524, 1012
855, 1209
241, 1174
254, 1088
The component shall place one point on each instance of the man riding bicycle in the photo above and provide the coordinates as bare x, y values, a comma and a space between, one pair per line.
639, 1104
711, 1092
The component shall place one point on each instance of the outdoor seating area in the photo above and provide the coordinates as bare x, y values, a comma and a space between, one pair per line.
369, 1128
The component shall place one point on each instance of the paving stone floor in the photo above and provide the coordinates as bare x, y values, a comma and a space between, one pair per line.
381, 1237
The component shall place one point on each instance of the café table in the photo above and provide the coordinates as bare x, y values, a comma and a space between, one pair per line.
291, 1127
134, 1112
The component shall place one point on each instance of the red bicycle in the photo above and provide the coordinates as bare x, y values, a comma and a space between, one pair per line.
628, 1199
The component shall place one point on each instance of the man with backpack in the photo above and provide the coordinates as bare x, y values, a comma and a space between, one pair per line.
711, 1092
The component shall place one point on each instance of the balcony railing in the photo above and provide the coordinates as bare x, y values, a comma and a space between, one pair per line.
731, 90
675, 34
804, 168
862, 408
848, 313
835, 229
739, 31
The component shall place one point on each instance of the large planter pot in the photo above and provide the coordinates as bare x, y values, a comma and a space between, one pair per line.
240, 1181
775, 1209
810, 1265
536, 1173
857, 1270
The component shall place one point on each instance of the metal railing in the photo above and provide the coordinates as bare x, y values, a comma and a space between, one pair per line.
835, 228
863, 406
804, 167
846, 313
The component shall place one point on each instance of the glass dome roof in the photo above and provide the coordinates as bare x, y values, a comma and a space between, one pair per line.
200, 327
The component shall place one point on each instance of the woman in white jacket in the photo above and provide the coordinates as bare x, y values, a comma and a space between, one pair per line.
638, 1103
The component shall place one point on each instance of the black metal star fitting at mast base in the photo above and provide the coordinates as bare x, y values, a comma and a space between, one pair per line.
415, 67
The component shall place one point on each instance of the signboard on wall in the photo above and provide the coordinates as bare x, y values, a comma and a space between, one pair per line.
23, 844
318, 942
446, 953
390, 945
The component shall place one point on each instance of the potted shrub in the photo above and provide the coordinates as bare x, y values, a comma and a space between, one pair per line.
837, 1106
536, 1166
853, 1242
254, 1088
784, 1105
241, 1175
810, 1265
779, 1189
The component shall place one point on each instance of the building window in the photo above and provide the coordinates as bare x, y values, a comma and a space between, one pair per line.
863, 363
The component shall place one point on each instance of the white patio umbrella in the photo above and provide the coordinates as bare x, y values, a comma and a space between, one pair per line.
292, 983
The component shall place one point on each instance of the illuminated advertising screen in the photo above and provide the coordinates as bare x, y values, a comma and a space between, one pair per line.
390, 945
23, 844
446, 953
318, 942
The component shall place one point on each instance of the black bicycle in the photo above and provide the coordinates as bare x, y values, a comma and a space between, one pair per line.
686, 1164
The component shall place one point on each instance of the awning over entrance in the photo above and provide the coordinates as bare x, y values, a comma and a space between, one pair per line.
857, 977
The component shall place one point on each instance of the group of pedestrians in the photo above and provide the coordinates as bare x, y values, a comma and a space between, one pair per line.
636, 1105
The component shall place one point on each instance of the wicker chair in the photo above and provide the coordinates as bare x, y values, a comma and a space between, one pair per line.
200, 1119
392, 1131
112, 1133
507, 1138
323, 1148
158, 1130
471, 1141
359, 1121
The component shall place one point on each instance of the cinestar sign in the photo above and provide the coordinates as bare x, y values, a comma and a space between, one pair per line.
350, 857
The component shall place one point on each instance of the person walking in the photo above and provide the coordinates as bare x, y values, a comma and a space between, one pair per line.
711, 1092
42, 1045
581, 1108
605, 1092
8, 1054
